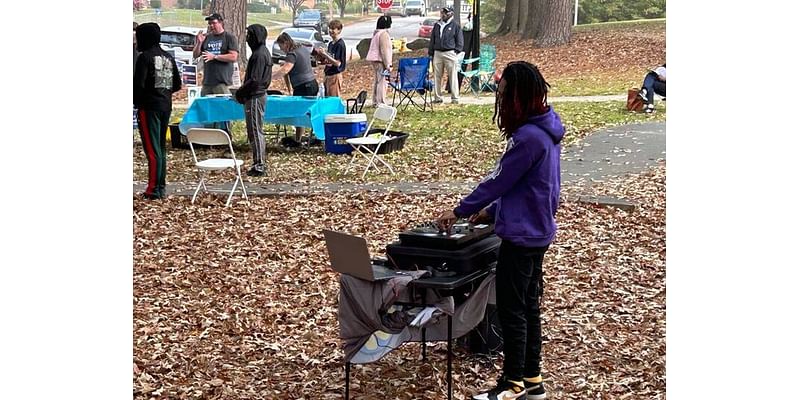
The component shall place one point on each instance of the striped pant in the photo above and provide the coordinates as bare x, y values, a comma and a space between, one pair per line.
153, 131
254, 121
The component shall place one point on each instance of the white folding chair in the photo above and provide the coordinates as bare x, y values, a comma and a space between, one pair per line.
368, 145
215, 137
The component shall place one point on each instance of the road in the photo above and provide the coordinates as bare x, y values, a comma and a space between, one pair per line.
402, 27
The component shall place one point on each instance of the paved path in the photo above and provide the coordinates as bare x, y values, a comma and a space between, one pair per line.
603, 155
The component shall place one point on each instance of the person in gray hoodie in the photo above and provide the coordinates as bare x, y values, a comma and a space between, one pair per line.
252, 94
447, 42
521, 195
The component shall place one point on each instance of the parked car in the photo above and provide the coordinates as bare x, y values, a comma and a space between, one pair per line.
305, 36
179, 40
415, 7
396, 9
426, 27
312, 18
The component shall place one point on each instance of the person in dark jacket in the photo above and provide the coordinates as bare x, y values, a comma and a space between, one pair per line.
252, 94
155, 78
447, 42
521, 195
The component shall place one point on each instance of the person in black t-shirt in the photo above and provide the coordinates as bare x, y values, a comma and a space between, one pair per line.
335, 60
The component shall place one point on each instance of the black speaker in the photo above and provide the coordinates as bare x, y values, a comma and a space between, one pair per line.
487, 337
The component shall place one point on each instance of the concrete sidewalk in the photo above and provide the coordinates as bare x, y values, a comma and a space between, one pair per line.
601, 156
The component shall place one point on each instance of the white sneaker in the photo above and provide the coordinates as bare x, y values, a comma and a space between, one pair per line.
643, 94
504, 390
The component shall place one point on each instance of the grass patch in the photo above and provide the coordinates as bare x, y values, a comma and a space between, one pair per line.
455, 143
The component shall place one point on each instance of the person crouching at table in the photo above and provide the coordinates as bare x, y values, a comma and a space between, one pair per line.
155, 78
297, 69
252, 94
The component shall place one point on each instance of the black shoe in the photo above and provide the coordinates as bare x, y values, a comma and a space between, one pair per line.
649, 109
437, 101
153, 196
255, 171
535, 390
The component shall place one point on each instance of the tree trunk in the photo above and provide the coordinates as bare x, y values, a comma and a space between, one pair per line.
555, 27
234, 13
523, 15
510, 12
536, 10
457, 11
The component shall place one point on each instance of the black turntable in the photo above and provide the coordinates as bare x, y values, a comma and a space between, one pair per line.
462, 233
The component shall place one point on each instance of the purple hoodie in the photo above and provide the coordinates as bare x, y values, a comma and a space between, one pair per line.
524, 188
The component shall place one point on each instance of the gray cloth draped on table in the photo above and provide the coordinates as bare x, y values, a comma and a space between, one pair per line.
363, 306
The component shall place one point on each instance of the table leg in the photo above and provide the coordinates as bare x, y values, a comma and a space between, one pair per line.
347, 380
423, 344
449, 357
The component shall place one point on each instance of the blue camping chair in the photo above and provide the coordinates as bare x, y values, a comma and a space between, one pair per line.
412, 85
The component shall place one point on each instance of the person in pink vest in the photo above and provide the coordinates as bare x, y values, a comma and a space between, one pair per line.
380, 56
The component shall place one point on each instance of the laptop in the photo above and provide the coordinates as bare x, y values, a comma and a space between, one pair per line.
350, 255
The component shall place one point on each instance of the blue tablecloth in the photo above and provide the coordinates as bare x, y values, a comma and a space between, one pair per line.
281, 110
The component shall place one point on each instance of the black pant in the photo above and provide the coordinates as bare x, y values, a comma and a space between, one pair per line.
310, 88
519, 292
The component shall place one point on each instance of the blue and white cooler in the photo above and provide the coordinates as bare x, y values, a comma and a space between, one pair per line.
339, 128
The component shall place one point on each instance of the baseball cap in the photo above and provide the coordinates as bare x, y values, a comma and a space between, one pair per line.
447, 9
214, 16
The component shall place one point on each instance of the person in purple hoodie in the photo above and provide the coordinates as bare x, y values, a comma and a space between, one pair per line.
521, 195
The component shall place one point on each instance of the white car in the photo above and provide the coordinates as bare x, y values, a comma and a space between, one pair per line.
179, 40
415, 7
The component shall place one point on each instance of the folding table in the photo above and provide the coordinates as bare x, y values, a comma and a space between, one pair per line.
442, 286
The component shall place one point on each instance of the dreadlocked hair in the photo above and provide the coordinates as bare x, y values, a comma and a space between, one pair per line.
524, 96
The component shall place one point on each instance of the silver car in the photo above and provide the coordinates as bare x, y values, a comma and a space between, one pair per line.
179, 40
306, 37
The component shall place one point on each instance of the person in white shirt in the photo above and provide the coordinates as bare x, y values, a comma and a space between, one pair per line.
654, 82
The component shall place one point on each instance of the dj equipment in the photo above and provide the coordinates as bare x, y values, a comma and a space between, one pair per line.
429, 235
466, 248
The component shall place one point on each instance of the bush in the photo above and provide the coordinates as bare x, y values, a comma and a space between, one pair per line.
155, 3
138, 5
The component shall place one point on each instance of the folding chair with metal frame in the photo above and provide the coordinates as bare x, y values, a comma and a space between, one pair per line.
215, 137
369, 145
469, 73
354, 106
412, 82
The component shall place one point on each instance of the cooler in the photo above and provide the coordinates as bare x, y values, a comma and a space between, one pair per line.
339, 128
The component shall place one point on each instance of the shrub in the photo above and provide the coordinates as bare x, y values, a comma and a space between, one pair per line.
138, 5
262, 8
155, 3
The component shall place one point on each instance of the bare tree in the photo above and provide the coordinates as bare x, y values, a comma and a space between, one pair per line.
366, 4
234, 13
510, 18
294, 5
341, 4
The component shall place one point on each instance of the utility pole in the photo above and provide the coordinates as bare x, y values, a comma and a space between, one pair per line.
576, 13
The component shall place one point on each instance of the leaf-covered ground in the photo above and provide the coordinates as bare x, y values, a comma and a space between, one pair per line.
240, 303
600, 59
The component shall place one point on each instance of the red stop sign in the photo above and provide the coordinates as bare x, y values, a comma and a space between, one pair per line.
384, 4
